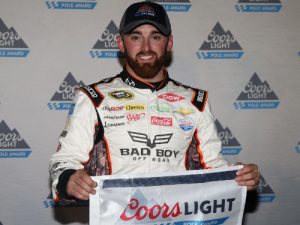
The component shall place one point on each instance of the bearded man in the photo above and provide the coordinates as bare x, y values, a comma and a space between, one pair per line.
139, 121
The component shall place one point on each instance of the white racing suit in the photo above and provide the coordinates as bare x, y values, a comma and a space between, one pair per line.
122, 125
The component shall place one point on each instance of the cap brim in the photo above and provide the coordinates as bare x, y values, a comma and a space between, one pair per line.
131, 26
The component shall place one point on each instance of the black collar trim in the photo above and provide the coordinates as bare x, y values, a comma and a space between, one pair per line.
136, 83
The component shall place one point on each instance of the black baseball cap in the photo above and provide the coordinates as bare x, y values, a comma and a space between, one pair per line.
145, 13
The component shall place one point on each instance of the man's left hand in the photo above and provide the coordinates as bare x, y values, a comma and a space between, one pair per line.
248, 176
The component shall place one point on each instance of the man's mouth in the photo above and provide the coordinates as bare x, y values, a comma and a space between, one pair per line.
146, 56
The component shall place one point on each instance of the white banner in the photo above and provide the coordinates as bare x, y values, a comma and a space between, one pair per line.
199, 197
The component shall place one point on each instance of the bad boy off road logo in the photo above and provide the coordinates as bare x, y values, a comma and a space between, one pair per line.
258, 6
106, 46
63, 97
12, 145
257, 95
174, 5
220, 45
11, 44
230, 145
71, 4
158, 154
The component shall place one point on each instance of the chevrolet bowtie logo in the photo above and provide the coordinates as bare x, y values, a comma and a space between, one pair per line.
143, 138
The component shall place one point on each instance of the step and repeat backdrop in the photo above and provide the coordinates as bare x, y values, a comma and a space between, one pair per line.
246, 53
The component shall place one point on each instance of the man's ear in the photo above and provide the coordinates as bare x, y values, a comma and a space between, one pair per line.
170, 43
120, 43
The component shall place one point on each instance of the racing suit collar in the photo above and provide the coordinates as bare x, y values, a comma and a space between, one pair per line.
136, 83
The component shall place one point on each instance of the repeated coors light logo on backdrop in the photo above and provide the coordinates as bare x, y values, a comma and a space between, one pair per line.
265, 192
12, 145
230, 145
106, 46
258, 6
63, 97
174, 5
11, 44
71, 4
220, 45
297, 148
257, 95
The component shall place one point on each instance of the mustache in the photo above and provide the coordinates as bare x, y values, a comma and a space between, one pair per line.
150, 52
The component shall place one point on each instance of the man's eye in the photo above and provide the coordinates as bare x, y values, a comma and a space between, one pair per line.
157, 37
134, 38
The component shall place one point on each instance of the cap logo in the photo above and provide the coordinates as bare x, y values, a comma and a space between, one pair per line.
145, 10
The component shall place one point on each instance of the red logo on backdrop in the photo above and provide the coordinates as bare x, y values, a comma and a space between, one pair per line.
135, 210
161, 121
170, 97
131, 117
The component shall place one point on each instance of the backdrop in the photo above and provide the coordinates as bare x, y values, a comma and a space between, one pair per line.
246, 53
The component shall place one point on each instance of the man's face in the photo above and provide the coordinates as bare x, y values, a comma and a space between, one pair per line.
145, 48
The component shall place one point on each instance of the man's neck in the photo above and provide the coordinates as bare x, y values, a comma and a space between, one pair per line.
157, 78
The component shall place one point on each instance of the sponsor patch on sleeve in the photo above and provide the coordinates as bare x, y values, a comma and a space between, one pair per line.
199, 99
93, 94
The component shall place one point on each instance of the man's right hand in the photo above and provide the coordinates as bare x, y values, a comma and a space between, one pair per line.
80, 185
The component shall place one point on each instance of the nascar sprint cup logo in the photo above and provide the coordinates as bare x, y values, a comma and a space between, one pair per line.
12, 145
257, 95
63, 97
174, 5
71, 4
106, 46
258, 6
220, 45
11, 44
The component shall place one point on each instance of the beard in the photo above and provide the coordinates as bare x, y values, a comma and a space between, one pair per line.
146, 70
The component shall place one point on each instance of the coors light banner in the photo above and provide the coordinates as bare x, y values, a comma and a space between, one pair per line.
209, 197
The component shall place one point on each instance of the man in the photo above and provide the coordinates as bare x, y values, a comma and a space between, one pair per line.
139, 121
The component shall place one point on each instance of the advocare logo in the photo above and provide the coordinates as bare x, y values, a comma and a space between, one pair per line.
297, 148
12, 145
72, 4
174, 5
258, 6
257, 95
63, 97
220, 45
11, 44
106, 46
265, 192
230, 145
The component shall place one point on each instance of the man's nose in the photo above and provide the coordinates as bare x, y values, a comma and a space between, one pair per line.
146, 44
